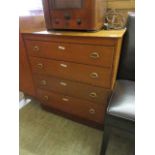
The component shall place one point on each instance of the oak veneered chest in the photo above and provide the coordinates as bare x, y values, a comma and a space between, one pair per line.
73, 72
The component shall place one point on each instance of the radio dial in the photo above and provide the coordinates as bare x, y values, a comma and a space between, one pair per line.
67, 16
79, 21
56, 21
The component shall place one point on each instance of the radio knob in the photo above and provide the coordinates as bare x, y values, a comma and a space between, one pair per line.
79, 21
56, 21
67, 16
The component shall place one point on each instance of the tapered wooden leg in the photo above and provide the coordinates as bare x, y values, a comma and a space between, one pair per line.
105, 141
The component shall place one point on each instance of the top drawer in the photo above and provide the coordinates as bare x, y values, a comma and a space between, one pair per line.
87, 54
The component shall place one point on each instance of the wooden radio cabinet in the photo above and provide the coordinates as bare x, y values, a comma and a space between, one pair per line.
74, 14
74, 72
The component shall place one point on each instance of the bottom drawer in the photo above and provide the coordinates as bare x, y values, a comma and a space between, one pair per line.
78, 107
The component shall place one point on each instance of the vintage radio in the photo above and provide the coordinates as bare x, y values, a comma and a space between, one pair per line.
74, 14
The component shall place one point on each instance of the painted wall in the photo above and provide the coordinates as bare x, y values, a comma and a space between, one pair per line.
123, 6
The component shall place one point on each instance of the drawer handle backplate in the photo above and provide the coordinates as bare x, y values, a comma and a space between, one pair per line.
61, 48
44, 82
92, 111
36, 48
94, 55
63, 65
46, 97
63, 83
40, 65
65, 99
93, 95
94, 75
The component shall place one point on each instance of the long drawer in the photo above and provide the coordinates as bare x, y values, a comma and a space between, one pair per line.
71, 88
81, 108
86, 54
84, 73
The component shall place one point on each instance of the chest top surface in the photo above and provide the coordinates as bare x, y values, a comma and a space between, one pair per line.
98, 34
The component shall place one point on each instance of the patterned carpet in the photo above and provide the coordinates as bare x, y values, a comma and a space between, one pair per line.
43, 133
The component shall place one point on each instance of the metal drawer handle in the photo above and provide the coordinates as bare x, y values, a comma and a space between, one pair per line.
36, 48
92, 111
46, 97
44, 82
94, 75
40, 65
65, 99
63, 65
94, 55
63, 83
61, 48
93, 95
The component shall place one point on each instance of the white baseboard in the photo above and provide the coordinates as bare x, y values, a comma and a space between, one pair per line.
23, 102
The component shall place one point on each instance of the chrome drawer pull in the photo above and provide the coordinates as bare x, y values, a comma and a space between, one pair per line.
61, 48
65, 99
94, 55
94, 75
40, 65
36, 48
46, 97
93, 95
63, 65
44, 82
92, 111
63, 83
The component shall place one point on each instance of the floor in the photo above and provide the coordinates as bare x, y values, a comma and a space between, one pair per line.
43, 133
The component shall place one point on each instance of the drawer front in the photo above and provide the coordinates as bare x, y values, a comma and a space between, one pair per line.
86, 54
89, 74
81, 108
70, 88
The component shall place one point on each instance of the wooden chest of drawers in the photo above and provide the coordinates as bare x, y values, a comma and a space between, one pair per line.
74, 73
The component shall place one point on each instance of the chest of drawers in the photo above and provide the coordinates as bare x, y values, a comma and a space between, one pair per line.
74, 73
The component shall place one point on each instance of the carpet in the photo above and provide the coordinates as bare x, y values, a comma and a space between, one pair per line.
44, 133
